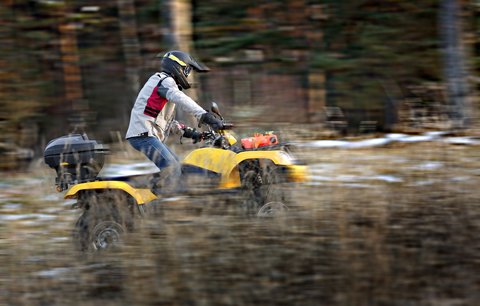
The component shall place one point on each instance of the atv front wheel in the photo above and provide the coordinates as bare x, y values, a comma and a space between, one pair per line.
262, 184
272, 209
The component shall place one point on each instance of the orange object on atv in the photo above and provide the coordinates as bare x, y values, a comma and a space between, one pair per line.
259, 140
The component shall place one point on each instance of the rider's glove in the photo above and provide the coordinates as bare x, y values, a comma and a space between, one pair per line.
188, 132
211, 120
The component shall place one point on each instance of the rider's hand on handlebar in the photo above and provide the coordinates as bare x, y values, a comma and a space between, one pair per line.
208, 135
188, 132
212, 121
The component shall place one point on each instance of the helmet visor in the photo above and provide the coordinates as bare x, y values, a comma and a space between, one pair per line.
198, 66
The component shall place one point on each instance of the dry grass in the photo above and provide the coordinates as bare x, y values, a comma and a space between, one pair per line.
385, 226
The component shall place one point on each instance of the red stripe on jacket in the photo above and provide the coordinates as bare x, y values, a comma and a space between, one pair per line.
154, 102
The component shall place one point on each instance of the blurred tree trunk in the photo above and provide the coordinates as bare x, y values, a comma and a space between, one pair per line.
177, 34
455, 72
170, 40
70, 63
19, 94
182, 24
7, 74
72, 75
72, 72
391, 104
316, 95
130, 44
177, 20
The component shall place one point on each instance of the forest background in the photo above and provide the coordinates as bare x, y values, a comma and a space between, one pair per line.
70, 66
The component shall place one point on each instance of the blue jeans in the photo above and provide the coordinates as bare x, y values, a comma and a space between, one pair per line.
157, 152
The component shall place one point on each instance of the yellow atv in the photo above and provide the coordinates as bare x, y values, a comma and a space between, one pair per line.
251, 169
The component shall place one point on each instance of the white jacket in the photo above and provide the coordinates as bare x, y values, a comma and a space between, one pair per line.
154, 108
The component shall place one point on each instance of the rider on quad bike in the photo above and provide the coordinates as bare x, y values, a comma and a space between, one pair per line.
153, 113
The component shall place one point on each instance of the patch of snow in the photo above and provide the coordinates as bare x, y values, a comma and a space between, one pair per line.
425, 182
388, 178
11, 206
321, 178
51, 210
354, 178
5, 185
368, 143
396, 136
329, 184
69, 202
60, 239
357, 185
44, 217
419, 138
325, 144
342, 144
460, 179
52, 197
36, 259
53, 273
171, 199
391, 137
436, 133
322, 167
28, 223
5, 217
462, 140
429, 166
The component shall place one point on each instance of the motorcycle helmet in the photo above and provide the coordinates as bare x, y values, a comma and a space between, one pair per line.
179, 64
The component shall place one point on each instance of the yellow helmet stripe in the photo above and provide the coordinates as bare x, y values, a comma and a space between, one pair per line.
174, 58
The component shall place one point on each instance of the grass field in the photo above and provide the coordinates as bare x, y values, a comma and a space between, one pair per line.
391, 225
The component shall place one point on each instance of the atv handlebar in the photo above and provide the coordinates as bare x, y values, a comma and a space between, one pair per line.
228, 126
217, 138
216, 125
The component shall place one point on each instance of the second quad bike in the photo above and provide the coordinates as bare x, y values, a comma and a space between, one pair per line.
250, 169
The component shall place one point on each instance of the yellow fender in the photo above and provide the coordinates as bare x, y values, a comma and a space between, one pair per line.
277, 157
225, 162
297, 173
142, 196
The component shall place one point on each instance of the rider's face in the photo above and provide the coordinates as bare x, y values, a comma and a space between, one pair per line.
187, 70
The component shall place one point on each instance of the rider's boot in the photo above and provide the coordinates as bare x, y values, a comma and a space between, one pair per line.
169, 182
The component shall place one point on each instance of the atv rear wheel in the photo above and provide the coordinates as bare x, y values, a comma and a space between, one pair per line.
107, 216
107, 234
